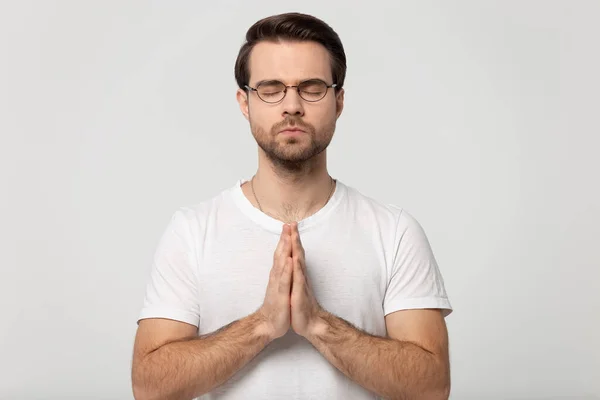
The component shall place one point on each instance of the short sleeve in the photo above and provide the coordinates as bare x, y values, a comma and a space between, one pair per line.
415, 281
171, 291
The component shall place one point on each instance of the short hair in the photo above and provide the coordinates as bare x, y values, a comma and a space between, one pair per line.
293, 27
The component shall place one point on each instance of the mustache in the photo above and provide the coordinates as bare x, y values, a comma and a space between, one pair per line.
292, 122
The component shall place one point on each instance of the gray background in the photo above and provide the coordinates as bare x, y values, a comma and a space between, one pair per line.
479, 117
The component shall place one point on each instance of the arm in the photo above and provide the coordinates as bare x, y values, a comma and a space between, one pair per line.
410, 364
171, 362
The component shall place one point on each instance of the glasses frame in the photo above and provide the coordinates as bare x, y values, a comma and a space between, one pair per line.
286, 87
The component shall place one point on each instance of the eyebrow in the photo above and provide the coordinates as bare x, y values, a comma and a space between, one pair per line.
278, 81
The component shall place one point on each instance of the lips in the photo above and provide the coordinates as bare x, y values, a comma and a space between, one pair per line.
291, 130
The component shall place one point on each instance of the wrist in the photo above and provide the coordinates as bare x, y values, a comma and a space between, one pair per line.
261, 328
318, 326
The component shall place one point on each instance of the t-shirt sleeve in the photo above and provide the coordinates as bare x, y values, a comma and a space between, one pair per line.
171, 291
415, 281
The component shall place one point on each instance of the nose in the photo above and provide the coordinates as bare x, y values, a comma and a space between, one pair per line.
292, 103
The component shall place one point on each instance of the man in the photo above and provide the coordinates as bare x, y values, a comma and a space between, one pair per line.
292, 285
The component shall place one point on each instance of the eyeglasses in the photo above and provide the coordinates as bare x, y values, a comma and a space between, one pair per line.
274, 91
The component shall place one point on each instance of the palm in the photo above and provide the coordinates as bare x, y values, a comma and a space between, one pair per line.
304, 306
300, 314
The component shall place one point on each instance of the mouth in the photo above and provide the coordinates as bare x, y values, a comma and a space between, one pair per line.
292, 131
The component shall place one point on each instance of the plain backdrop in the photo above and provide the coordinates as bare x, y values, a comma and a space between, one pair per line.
481, 118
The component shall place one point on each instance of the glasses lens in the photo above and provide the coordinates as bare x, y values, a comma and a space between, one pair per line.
271, 92
313, 90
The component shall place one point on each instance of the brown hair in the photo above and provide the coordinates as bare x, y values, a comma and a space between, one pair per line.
295, 27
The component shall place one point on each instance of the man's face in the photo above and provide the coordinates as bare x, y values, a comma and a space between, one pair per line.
291, 63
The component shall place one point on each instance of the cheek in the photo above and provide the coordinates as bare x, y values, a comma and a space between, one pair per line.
323, 117
263, 119
259, 115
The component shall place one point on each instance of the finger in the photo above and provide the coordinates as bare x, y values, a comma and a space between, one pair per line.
298, 270
286, 251
286, 277
294, 240
298, 253
287, 243
299, 242
281, 245
295, 230
279, 264
293, 244
277, 268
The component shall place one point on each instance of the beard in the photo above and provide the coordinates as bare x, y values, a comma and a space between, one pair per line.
292, 153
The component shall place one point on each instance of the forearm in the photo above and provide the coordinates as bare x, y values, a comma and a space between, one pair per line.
391, 368
189, 368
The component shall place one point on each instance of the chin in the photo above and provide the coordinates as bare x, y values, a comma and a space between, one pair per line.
291, 158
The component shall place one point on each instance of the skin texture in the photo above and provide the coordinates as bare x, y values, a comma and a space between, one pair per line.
410, 364
292, 182
171, 362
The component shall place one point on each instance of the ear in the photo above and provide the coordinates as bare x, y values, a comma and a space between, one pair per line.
339, 103
242, 99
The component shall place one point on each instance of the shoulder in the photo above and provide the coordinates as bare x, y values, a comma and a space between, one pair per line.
200, 213
391, 218
378, 208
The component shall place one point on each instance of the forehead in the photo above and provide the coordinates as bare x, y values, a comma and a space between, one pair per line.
289, 62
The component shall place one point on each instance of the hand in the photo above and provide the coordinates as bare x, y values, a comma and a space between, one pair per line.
305, 308
275, 310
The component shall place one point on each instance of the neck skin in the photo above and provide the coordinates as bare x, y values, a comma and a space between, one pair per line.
290, 192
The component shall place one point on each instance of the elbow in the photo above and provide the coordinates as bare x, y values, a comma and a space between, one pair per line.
136, 387
433, 395
427, 394
437, 392
140, 393
143, 394
440, 390
141, 384
442, 393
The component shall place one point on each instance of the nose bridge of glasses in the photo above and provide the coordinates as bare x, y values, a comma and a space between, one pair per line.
285, 91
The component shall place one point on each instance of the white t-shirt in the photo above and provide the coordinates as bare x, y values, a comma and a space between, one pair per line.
364, 260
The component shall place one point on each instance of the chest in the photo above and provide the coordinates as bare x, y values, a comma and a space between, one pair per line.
346, 272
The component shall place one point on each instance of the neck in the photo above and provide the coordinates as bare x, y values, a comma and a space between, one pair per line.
291, 193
